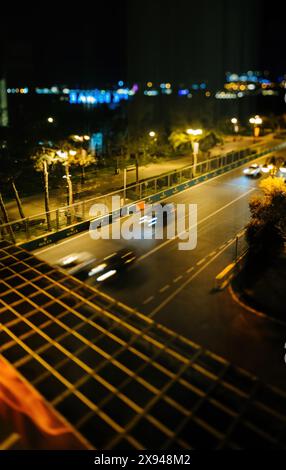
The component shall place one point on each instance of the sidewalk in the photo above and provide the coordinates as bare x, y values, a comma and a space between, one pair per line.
106, 181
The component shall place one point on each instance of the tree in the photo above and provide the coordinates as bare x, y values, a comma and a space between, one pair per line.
83, 159
6, 218
43, 159
10, 171
66, 156
266, 231
180, 139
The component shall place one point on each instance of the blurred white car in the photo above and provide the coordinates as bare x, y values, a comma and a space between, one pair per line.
76, 261
253, 170
282, 170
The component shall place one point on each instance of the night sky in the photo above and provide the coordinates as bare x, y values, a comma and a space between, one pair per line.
181, 41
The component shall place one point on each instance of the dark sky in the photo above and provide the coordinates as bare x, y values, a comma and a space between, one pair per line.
181, 40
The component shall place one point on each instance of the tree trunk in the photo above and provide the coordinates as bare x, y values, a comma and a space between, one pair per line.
69, 195
69, 186
6, 219
82, 175
47, 197
18, 200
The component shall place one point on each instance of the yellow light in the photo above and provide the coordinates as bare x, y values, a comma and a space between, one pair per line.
208, 94
86, 137
194, 131
72, 152
168, 85
149, 84
234, 120
62, 154
152, 134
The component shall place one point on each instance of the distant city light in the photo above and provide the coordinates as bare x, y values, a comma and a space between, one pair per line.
50, 120
152, 134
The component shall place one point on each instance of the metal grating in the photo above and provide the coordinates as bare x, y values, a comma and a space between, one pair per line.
122, 380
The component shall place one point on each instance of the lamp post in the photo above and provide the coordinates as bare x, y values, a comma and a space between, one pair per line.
234, 121
256, 123
196, 146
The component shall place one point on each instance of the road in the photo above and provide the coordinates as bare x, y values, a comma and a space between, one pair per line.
104, 180
176, 287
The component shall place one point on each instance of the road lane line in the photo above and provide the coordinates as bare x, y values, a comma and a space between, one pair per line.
177, 279
201, 261
163, 289
212, 253
147, 301
193, 226
182, 286
190, 269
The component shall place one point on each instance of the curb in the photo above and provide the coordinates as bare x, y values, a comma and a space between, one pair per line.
247, 307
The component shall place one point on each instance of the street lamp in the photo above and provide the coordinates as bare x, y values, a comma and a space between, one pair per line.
194, 132
50, 120
152, 134
196, 146
256, 122
234, 121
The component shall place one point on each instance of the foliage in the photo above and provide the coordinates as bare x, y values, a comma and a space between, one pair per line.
180, 139
44, 156
266, 231
209, 141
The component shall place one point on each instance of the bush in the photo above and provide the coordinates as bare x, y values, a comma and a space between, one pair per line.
266, 231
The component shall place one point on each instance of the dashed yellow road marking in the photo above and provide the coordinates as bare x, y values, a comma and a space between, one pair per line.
148, 300
164, 288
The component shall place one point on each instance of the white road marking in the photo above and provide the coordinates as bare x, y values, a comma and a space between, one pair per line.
167, 300
146, 301
201, 261
199, 223
163, 289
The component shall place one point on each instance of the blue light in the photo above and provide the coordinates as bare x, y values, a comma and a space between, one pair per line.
120, 83
73, 97
183, 92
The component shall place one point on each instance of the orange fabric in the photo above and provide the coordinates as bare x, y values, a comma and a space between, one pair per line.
23, 407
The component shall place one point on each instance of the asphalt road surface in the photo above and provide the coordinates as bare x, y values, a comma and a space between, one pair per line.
177, 287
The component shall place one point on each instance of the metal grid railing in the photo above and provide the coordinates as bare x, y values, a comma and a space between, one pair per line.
119, 378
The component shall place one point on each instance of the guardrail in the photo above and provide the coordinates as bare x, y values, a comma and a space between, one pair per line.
33, 232
237, 258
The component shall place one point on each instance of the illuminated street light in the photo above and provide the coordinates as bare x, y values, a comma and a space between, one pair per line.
50, 120
256, 121
196, 146
152, 134
194, 131
234, 121
62, 154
